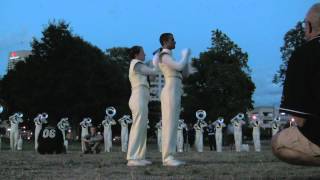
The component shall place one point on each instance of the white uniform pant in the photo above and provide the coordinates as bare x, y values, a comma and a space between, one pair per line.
275, 131
65, 141
238, 138
170, 110
84, 132
20, 143
256, 139
199, 141
180, 140
36, 136
14, 137
219, 140
138, 104
124, 139
107, 134
159, 134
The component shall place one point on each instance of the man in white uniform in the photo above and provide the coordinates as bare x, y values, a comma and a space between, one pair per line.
124, 122
38, 122
63, 125
219, 125
181, 126
237, 123
159, 134
275, 125
107, 132
1, 110
256, 123
15, 119
85, 124
199, 128
170, 96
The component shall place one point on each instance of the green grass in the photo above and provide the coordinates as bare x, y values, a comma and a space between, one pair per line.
27, 164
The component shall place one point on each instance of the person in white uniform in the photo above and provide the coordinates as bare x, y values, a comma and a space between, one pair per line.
63, 125
180, 140
38, 122
237, 123
138, 104
85, 124
124, 122
256, 122
107, 123
170, 95
159, 134
15, 119
219, 125
1, 110
275, 125
199, 128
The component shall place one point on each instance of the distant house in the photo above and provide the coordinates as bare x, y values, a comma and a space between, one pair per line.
266, 113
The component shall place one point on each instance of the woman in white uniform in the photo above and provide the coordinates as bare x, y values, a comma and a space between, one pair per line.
138, 104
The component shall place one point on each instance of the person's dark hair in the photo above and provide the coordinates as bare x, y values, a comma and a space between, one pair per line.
134, 50
164, 37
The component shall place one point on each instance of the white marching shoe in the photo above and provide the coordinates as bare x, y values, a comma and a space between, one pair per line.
135, 163
146, 161
173, 162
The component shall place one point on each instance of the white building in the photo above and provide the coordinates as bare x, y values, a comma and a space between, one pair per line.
267, 113
157, 82
16, 56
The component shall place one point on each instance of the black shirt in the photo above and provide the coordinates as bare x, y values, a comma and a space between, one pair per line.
50, 141
301, 92
211, 130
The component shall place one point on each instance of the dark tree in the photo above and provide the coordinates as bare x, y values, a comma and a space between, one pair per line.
65, 76
222, 84
293, 39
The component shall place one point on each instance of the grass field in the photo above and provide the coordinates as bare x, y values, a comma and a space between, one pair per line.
27, 164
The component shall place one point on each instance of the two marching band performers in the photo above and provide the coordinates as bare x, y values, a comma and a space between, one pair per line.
63, 125
219, 125
39, 121
237, 123
15, 119
85, 124
138, 104
256, 123
199, 128
170, 95
124, 122
275, 125
159, 134
181, 126
107, 131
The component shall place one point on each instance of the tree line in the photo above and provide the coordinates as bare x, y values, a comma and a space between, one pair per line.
67, 76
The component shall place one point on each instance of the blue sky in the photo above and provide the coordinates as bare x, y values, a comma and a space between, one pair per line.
258, 27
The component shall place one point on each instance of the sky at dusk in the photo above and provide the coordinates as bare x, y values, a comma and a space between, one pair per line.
258, 27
